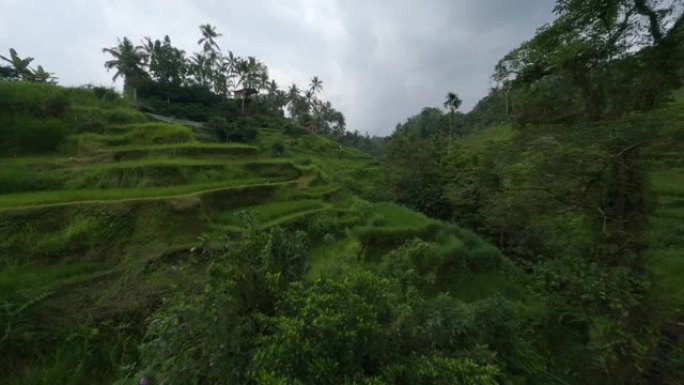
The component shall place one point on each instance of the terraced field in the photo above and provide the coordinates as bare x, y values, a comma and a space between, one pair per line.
47, 203
82, 221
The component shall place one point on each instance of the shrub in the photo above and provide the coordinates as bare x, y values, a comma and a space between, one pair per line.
294, 129
108, 94
203, 339
240, 130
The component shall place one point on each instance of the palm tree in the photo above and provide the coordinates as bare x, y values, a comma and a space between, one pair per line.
272, 87
453, 102
316, 85
201, 69
230, 66
293, 92
294, 99
209, 36
128, 61
252, 73
309, 95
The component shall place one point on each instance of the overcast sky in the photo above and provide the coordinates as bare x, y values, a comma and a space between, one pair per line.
380, 60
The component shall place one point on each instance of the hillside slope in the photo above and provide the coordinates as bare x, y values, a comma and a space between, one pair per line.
103, 212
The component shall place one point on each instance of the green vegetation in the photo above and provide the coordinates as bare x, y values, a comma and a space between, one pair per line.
97, 228
139, 251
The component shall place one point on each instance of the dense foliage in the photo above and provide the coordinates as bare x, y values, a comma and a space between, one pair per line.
560, 184
144, 252
258, 321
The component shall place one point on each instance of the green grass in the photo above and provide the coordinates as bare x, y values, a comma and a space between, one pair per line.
18, 179
335, 259
23, 134
141, 134
21, 278
39, 100
180, 146
96, 118
14, 179
96, 195
388, 214
182, 150
269, 213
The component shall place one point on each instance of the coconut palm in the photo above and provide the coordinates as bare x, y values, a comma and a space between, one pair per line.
453, 102
293, 92
296, 103
229, 65
252, 73
201, 69
272, 87
128, 61
316, 85
309, 95
209, 36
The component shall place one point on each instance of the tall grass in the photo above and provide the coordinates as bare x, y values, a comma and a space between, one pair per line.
95, 118
23, 134
190, 149
15, 179
143, 134
90, 195
39, 100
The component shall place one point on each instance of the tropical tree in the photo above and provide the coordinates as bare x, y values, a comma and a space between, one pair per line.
128, 61
228, 66
19, 66
201, 69
275, 97
166, 63
209, 36
39, 75
252, 73
297, 104
316, 85
453, 102
598, 58
20, 69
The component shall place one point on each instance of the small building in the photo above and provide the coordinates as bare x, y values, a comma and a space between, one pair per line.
244, 93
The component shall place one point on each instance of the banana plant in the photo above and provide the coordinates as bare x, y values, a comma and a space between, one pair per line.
20, 69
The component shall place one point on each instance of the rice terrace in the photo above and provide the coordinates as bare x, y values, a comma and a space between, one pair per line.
195, 222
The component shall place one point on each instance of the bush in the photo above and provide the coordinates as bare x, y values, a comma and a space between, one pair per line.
240, 130
294, 129
107, 94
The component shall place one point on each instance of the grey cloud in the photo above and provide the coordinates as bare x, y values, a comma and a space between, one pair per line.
380, 61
